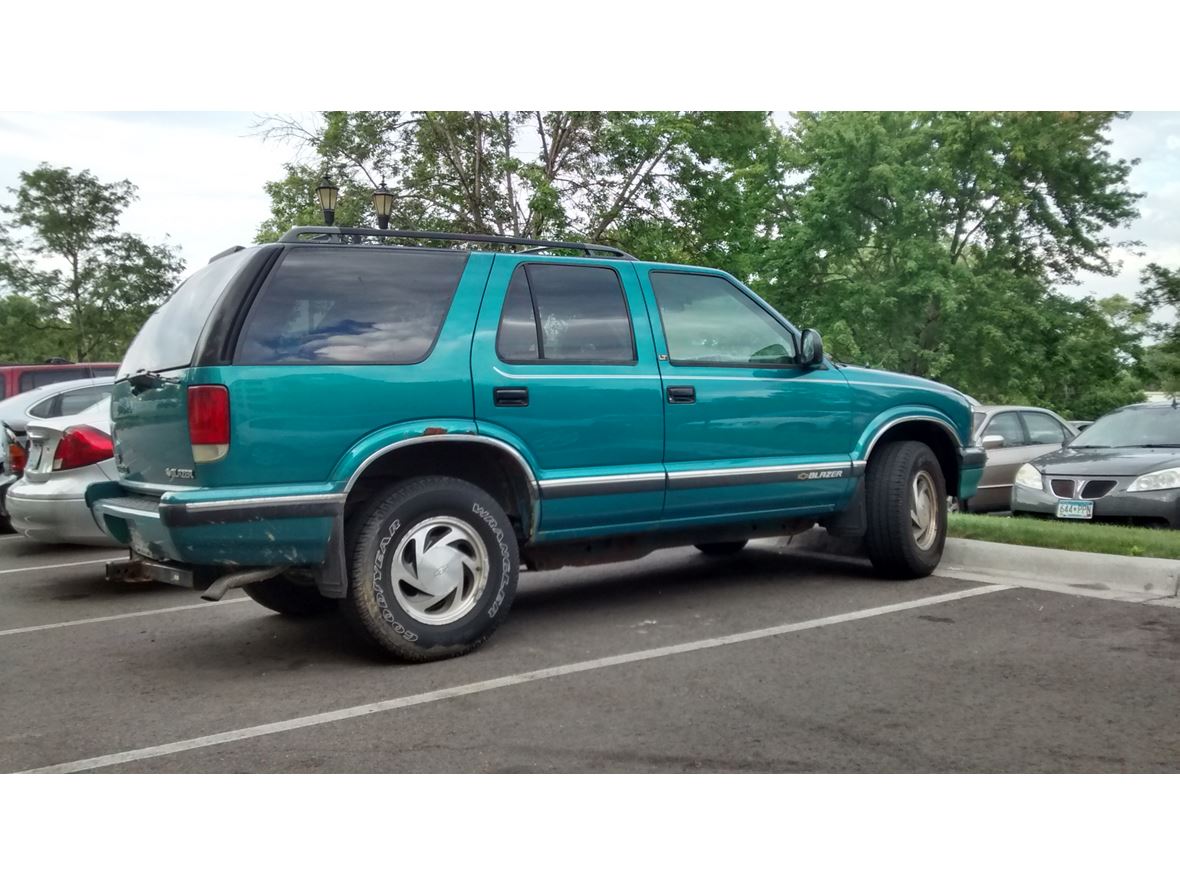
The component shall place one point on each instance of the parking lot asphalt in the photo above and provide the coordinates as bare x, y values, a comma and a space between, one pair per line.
767, 661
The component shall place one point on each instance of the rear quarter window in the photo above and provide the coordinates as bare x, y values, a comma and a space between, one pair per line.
352, 304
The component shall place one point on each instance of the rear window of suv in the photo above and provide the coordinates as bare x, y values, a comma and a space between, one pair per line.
352, 304
169, 337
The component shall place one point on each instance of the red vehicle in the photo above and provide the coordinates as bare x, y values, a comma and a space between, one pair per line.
18, 379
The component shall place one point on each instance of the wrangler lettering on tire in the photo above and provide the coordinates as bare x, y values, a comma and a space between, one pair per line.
423, 584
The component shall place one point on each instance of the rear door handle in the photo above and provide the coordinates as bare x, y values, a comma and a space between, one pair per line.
682, 394
510, 396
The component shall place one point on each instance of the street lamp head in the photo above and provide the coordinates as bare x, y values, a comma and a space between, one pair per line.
328, 194
383, 203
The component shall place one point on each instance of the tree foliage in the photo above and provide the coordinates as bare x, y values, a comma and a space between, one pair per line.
1161, 291
931, 243
688, 186
77, 285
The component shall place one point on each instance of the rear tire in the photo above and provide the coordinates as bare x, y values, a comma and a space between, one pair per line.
289, 596
433, 569
722, 548
905, 496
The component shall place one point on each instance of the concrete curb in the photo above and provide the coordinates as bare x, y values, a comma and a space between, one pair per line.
1132, 578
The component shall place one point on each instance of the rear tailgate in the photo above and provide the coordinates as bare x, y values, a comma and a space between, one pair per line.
151, 432
150, 415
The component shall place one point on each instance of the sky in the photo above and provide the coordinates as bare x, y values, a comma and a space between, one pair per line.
200, 177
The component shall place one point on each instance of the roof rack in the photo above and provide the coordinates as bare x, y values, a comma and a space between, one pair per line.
295, 234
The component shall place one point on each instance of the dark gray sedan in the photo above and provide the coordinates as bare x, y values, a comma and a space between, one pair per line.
1125, 467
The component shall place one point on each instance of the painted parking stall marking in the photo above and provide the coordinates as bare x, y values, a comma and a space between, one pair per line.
38, 568
472, 688
201, 606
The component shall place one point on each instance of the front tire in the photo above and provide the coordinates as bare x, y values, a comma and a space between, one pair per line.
905, 495
433, 569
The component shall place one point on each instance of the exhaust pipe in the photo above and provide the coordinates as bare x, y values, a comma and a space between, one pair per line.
218, 588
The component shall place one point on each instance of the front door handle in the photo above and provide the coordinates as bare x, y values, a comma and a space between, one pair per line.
510, 396
682, 394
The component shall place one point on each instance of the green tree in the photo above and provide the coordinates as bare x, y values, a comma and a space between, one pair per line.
81, 283
1161, 291
933, 241
688, 186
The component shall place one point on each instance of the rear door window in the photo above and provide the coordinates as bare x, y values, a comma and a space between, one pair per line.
352, 304
565, 313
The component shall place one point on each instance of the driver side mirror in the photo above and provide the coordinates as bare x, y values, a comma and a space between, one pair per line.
811, 348
993, 441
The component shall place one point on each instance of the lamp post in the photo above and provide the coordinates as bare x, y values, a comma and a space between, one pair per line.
328, 193
383, 203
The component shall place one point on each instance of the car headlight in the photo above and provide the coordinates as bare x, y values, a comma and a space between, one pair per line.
1029, 477
1153, 482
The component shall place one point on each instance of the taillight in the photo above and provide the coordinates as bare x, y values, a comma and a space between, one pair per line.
80, 446
18, 458
208, 421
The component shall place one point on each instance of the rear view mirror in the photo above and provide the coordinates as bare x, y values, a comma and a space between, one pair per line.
993, 441
811, 348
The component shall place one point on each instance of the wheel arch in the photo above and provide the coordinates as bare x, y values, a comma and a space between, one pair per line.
935, 431
495, 466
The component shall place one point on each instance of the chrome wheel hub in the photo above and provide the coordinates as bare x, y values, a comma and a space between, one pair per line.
439, 570
924, 510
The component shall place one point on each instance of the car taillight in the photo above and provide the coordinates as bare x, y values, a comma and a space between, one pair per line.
80, 446
208, 421
18, 458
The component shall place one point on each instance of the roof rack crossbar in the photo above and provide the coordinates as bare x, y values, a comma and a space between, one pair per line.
296, 234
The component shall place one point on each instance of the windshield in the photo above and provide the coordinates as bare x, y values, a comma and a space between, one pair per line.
169, 337
1132, 427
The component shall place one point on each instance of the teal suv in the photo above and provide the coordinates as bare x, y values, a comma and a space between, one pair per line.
350, 418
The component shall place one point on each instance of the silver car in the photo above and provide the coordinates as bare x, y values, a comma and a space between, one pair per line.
66, 455
1012, 435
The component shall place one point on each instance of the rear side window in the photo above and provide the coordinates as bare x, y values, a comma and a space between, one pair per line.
169, 337
351, 305
47, 408
40, 377
74, 401
565, 313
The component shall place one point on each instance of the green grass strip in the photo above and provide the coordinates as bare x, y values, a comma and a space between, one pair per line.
1062, 535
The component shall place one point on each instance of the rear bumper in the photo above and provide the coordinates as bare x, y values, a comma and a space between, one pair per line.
44, 513
238, 527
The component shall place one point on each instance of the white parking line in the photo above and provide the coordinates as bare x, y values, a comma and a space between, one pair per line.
140, 614
443, 694
38, 568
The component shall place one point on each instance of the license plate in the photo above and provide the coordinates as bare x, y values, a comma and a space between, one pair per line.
1075, 509
35, 452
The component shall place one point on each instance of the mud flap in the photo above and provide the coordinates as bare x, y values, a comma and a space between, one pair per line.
852, 521
332, 575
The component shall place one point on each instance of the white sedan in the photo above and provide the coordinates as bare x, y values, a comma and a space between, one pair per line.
66, 455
